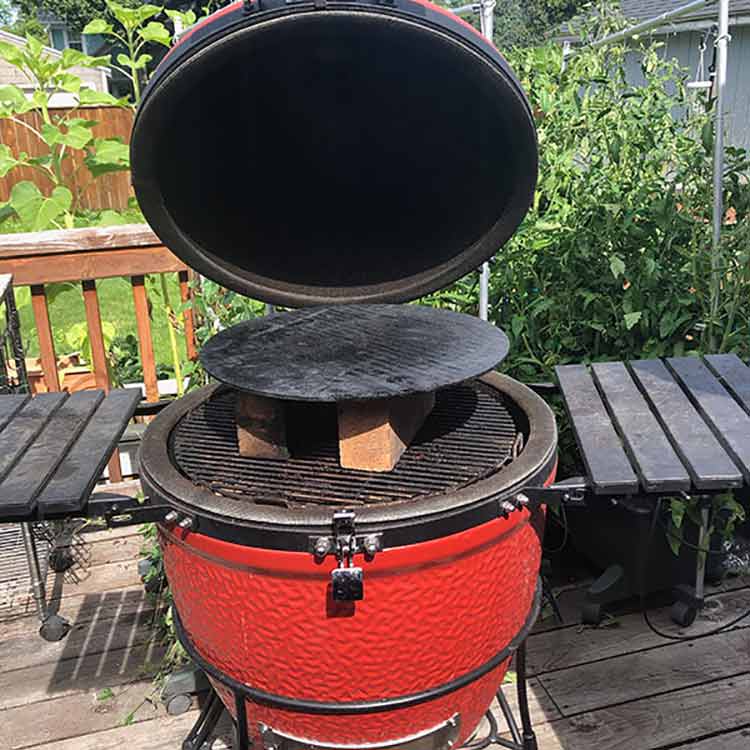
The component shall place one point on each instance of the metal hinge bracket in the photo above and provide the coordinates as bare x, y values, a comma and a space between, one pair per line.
571, 494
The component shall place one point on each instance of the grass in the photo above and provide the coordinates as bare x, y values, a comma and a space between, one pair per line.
116, 304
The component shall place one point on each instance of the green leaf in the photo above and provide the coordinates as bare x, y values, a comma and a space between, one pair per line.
70, 82
76, 134
88, 97
617, 266
51, 134
34, 45
105, 694
124, 60
674, 537
632, 318
132, 18
517, 325
7, 160
74, 58
142, 61
109, 155
11, 54
677, 509
97, 26
6, 211
156, 32
12, 100
109, 218
188, 18
36, 211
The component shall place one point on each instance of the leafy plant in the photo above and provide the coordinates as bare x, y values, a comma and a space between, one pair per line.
725, 513
62, 135
125, 361
614, 259
136, 28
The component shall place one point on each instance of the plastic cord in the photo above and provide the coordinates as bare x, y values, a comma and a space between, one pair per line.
564, 524
644, 610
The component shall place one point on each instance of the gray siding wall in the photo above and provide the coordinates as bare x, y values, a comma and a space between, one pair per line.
684, 46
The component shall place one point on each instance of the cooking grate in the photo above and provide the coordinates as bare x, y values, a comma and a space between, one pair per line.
470, 434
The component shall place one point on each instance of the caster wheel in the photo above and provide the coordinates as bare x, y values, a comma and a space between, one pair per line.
60, 560
54, 629
155, 584
591, 613
683, 614
179, 704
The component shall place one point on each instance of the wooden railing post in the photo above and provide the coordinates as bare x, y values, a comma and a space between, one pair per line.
143, 322
96, 334
187, 315
46, 341
99, 358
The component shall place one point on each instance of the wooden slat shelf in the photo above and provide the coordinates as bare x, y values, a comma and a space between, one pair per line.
654, 427
55, 448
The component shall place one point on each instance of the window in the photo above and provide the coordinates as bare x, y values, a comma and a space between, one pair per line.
57, 37
74, 40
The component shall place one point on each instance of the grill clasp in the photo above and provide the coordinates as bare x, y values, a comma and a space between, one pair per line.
348, 579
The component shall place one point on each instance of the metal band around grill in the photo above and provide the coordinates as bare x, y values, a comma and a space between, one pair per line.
441, 737
360, 707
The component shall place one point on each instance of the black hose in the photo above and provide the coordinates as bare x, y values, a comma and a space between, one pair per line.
644, 610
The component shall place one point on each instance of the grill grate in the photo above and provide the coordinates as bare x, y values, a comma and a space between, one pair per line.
470, 434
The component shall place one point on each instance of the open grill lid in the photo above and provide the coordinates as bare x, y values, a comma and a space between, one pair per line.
319, 152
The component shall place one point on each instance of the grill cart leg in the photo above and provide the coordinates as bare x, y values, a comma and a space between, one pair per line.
53, 627
691, 601
208, 718
529, 738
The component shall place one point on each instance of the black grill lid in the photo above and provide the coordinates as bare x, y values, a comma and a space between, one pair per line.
336, 353
308, 153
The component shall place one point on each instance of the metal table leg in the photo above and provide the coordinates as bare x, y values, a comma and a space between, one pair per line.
52, 626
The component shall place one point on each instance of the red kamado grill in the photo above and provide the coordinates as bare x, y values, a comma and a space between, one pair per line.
351, 548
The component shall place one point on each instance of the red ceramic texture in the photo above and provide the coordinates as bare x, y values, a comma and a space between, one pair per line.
431, 613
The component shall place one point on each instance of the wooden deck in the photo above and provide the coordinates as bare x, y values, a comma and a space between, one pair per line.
618, 687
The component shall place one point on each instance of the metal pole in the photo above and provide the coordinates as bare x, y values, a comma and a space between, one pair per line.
487, 25
651, 23
722, 51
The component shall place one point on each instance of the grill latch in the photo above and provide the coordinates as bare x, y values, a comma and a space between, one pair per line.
348, 579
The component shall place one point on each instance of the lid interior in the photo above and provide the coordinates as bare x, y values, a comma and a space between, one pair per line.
336, 155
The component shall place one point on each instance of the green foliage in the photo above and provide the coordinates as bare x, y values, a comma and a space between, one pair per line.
725, 513
135, 30
522, 23
613, 260
62, 134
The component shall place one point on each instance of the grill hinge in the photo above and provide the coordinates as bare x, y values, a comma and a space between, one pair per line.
348, 579
571, 493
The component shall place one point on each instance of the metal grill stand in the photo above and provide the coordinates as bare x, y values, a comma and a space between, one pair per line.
522, 738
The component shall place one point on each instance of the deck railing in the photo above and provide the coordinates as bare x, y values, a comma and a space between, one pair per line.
85, 256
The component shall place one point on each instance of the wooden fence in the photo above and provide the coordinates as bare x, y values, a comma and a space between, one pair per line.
85, 255
108, 191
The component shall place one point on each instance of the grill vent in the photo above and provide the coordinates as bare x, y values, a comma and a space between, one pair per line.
469, 435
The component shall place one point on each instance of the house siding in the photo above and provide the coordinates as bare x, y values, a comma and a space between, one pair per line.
684, 47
